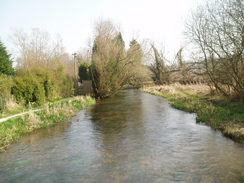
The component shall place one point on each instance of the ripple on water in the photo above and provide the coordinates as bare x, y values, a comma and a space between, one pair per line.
133, 137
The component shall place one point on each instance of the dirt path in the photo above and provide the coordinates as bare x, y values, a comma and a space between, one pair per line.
20, 114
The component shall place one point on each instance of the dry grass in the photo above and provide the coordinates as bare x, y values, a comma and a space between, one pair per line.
33, 121
82, 98
234, 131
179, 90
68, 110
11, 104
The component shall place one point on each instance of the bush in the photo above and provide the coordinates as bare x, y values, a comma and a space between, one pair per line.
48, 82
28, 89
5, 90
65, 85
6, 83
2, 103
84, 73
41, 85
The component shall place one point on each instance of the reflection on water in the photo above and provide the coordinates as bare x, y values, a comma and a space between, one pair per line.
133, 137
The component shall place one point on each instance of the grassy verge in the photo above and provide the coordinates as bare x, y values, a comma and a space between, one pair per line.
215, 111
53, 112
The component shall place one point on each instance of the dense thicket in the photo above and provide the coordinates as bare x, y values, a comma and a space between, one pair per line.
40, 85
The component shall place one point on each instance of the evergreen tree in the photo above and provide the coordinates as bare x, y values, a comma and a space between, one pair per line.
84, 71
5, 61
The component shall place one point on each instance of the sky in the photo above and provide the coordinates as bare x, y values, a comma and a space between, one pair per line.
160, 21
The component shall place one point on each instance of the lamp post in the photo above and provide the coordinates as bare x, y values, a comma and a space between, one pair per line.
75, 77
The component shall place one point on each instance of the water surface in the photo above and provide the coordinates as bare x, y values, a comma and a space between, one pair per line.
133, 137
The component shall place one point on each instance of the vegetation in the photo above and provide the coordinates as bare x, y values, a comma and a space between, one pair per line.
6, 71
215, 111
5, 61
216, 30
45, 72
42, 76
39, 50
84, 71
112, 65
215, 34
53, 112
5, 87
40, 85
42, 71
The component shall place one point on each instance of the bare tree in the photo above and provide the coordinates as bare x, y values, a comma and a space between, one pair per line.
216, 28
160, 67
38, 50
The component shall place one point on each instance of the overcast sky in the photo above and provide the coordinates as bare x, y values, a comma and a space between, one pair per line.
161, 21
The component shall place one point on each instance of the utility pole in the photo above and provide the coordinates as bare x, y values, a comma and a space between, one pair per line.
75, 76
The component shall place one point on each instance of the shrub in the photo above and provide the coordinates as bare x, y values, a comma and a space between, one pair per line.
6, 83
28, 89
65, 85
2, 103
84, 73
5, 90
48, 82
39, 85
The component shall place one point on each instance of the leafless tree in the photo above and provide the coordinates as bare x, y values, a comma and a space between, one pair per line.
216, 28
159, 67
37, 49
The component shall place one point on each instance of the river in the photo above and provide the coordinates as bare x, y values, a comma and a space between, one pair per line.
134, 137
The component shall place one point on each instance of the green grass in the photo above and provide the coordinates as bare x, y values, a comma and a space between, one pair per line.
54, 112
219, 113
21, 108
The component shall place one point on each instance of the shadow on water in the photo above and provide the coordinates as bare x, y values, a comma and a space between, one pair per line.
132, 137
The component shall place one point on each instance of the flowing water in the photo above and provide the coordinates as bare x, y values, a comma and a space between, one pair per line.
134, 137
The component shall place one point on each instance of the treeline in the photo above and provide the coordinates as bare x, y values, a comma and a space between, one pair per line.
214, 31
42, 73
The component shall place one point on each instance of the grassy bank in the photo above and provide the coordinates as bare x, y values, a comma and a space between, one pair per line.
53, 112
215, 111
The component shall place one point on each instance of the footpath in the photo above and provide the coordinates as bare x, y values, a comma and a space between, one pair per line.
20, 114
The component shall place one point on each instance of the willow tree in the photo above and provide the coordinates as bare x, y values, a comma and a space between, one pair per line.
112, 65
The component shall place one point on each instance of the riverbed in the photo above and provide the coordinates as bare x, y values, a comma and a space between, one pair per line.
132, 137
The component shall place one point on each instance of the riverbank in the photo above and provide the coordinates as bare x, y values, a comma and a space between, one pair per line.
53, 112
215, 111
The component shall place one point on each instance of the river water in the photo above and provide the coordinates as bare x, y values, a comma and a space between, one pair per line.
134, 137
